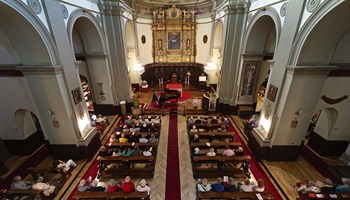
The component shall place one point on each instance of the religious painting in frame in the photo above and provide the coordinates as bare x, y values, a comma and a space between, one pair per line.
250, 71
271, 94
174, 40
77, 95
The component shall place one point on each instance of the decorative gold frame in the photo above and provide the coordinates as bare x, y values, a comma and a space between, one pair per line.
176, 21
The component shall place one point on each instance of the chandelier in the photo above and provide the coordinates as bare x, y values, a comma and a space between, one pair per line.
211, 66
138, 68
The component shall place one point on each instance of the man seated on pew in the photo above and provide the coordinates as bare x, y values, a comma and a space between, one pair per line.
143, 187
211, 152
203, 185
133, 138
153, 128
153, 139
102, 120
198, 120
144, 128
196, 152
128, 185
218, 186
213, 120
127, 152
246, 186
45, 187
125, 128
65, 166
113, 186
123, 139
83, 185
260, 187
190, 120
18, 184
147, 151
143, 139
239, 151
194, 129
129, 120
195, 138
228, 152
205, 120
95, 187
149, 120
226, 121
134, 128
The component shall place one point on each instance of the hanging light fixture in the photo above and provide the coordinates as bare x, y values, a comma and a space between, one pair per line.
138, 68
211, 66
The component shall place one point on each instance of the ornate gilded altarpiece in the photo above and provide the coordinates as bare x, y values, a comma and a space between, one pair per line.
174, 35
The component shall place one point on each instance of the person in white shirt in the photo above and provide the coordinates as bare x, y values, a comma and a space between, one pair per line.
143, 139
194, 129
211, 152
260, 187
46, 188
59, 164
143, 187
147, 151
247, 186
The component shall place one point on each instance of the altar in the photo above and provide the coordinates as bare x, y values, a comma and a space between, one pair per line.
175, 86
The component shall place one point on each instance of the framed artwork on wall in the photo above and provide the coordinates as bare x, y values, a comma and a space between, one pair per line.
174, 40
77, 95
271, 94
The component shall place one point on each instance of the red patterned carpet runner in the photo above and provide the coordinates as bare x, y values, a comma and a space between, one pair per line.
172, 189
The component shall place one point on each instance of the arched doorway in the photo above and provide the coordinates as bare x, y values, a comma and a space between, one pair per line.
259, 47
323, 41
89, 47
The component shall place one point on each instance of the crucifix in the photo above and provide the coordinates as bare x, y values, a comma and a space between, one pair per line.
188, 77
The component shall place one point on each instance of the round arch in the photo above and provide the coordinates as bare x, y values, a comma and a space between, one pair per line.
17, 18
218, 34
269, 16
25, 121
91, 30
331, 15
130, 35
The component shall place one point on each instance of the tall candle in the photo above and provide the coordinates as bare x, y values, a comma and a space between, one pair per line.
162, 81
185, 80
159, 81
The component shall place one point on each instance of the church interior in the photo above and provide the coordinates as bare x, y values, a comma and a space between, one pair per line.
174, 99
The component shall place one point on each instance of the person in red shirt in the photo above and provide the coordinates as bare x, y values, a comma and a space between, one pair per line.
128, 185
113, 186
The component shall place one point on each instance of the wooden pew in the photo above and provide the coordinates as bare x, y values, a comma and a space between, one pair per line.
233, 195
213, 135
126, 162
10, 194
203, 145
128, 144
110, 195
215, 159
199, 172
127, 134
34, 171
312, 195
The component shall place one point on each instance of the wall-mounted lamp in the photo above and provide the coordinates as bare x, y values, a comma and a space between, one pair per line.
298, 113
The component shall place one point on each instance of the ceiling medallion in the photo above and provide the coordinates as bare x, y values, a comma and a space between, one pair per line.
312, 5
283, 10
35, 6
64, 11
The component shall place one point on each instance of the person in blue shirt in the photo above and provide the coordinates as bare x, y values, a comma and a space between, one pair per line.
218, 186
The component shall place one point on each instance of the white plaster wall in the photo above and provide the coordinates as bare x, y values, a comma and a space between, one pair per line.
145, 50
203, 50
296, 95
342, 52
8, 54
48, 98
98, 67
306, 15
264, 68
335, 87
16, 95
275, 4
